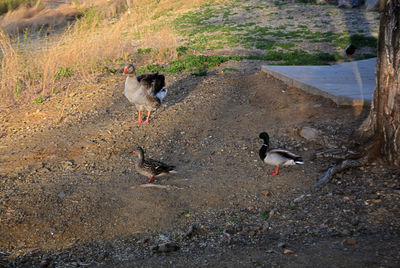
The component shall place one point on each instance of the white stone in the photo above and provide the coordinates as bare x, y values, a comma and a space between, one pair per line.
309, 133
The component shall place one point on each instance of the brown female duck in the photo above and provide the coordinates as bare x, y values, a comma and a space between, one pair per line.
151, 168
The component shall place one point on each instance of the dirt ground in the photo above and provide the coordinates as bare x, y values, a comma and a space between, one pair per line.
70, 196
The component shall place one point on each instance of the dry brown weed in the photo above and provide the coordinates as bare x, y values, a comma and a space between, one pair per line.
33, 69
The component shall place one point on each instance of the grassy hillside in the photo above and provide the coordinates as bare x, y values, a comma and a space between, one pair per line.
178, 36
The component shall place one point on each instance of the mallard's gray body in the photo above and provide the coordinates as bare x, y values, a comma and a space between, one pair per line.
277, 156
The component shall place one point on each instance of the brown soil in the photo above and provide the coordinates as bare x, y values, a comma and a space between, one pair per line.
69, 193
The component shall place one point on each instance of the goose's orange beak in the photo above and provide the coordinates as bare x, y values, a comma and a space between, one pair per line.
125, 70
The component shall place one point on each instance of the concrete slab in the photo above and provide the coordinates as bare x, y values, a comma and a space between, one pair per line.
350, 83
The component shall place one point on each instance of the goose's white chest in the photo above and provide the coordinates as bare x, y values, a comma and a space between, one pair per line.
135, 92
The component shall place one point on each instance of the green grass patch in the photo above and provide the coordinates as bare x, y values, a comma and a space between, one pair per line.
144, 50
186, 213
229, 69
291, 207
297, 57
196, 18
364, 41
232, 221
357, 39
264, 215
9, 5
265, 44
38, 100
286, 45
366, 56
189, 63
199, 64
63, 72
200, 71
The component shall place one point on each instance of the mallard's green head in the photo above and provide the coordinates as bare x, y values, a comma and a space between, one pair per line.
265, 137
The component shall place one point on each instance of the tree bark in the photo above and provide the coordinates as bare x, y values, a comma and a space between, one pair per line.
384, 118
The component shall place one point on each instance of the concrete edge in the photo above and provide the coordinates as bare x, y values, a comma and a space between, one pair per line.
339, 100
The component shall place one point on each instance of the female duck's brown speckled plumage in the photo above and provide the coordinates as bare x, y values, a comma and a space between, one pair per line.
151, 168
146, 91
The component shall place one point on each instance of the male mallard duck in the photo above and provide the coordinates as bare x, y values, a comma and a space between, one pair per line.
277, 157
151, 168
145, 91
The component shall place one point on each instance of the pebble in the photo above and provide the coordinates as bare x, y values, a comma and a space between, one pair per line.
349, 242
61, 195
44, 263
100, 258
288, 251
345, 232
309, 133
164, 248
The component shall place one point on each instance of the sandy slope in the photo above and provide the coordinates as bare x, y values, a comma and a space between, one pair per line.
67, 180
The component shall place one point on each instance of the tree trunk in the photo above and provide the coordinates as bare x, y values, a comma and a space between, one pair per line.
385, 111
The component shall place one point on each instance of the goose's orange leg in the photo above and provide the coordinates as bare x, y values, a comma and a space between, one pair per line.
150, 180
147, 119
276, 171
139, 121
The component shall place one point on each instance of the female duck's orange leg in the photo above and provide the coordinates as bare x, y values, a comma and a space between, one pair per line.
139, 121
147, 119
150, 180
276, 171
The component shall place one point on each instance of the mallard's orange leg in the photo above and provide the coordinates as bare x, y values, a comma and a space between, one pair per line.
150, 180
139, 121
276, 171
147, 119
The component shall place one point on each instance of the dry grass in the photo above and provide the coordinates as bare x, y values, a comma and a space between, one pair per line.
34, 69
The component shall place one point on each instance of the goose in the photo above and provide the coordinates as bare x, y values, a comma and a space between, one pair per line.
149, 167
146, 91
277, 157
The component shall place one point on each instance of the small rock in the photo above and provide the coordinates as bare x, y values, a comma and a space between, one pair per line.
281, 245
266, 193
345, 232
61, 195
164, 248
42, 170
44, 263
100, 258
193, 231
309, 133
288, 251
298, 198
272, 212
349, 242
67, 164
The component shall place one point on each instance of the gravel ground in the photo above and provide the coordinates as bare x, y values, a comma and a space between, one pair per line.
70, 196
